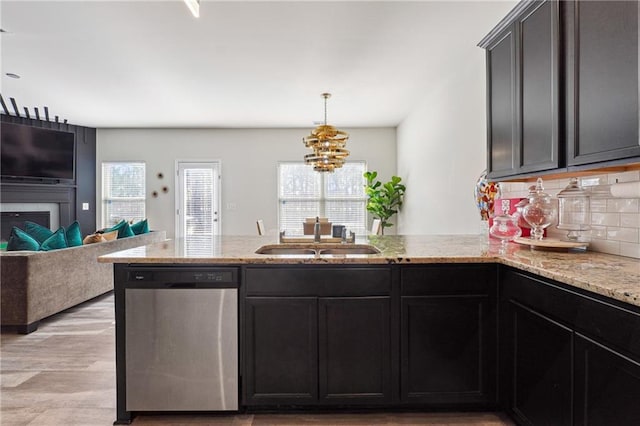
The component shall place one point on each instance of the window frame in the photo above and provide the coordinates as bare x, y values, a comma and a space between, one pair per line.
105, 199
322, 200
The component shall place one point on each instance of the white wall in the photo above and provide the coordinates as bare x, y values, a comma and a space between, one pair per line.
249, 160
442, 143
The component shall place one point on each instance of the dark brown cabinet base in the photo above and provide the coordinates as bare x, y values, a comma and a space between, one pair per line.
445, 337
607, 385
281, 336
355, 352
317, 336
568, 356
448, 335
539, 359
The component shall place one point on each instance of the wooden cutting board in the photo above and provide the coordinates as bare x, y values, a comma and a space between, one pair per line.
550, 243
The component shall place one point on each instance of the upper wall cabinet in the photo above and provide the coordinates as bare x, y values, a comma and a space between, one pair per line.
522, 91
562, 87
601, 72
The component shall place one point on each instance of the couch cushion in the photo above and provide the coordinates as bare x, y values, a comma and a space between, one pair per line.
73, 235
123, 228
141, 227
38, 232
20, 240
56, 241
110, 236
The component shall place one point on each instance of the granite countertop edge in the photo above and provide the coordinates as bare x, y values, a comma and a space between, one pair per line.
616, 277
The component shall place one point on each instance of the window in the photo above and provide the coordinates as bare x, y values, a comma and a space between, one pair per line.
340, 196
123, 192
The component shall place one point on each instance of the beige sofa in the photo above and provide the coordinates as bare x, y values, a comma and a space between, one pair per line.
36, 285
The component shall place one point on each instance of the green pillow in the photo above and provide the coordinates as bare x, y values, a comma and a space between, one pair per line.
141, 227
20, 240
56, 241
73, 235
38, 232
123, 228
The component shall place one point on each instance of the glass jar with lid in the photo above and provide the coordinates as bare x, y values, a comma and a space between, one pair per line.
540, 212
574, 212
505, 228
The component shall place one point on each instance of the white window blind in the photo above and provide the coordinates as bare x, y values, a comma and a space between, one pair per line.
198, 202
123, 192
339, 196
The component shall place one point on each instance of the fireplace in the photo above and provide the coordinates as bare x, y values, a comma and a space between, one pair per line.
10, 219
55, 200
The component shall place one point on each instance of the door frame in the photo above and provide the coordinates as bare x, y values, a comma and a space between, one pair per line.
176, 185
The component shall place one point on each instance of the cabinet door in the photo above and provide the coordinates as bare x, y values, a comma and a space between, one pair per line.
602, 80
501, 104
355, 350
281, 350
539, 360
446, 350
538, 94
607, 386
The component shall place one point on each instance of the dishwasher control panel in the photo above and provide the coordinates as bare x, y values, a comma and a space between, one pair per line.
178, 275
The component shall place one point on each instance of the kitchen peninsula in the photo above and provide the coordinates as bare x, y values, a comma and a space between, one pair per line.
430, 322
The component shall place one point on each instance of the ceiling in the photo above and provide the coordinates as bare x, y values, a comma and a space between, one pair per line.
241, 64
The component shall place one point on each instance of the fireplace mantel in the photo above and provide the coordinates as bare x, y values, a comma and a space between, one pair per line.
63, 195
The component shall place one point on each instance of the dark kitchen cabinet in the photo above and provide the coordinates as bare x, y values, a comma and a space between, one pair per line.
539, 359
501, 104
567, 356
354, 350
522, 92
608, 385
601, 72
562, 87
317, 336
448, 335
281, 342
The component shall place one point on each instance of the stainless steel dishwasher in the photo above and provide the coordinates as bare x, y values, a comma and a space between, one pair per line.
181, 339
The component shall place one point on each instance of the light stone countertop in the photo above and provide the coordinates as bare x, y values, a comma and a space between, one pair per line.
612, 276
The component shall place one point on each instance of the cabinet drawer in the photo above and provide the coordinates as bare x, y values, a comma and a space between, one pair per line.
317, 281
450, 279
599, 319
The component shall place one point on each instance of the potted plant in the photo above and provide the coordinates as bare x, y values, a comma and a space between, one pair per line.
384, 200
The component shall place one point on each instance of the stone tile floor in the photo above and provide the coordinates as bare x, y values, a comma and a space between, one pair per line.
64, 374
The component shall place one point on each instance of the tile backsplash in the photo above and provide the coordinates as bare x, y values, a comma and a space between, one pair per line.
615, 222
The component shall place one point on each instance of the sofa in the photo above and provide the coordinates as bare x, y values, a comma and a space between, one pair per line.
38, 284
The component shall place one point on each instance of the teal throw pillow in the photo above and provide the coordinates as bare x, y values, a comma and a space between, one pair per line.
73, 235
56, 241
123, 228
20, 240
141, 227
38, 232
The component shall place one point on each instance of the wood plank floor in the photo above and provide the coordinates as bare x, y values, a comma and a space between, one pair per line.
64, 374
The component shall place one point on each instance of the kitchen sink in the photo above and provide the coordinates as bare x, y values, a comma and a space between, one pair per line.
350, 250
317, 249
285, 250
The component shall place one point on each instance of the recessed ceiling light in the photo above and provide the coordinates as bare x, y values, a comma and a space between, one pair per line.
12, 75
194, 7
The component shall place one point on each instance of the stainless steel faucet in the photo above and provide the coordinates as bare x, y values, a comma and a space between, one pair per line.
316, 231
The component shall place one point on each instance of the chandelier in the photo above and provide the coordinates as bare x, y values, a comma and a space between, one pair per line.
328, 145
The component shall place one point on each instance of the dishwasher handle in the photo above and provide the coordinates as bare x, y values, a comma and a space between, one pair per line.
180, 285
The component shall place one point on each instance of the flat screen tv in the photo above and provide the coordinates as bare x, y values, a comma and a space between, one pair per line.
35, 153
